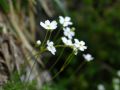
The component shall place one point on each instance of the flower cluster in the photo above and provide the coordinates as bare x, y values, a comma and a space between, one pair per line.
67, 38
101, 87
65, 21
77, 45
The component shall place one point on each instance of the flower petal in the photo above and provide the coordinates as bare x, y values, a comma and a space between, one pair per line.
43, 25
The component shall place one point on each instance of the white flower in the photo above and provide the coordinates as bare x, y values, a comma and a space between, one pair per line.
88, 57
118, 73
66, 41
38, 42
116, 81
49, 25
116, 87
65, 21
80, 45
116, 84
76, 46
69, 32
50, 47
101, 87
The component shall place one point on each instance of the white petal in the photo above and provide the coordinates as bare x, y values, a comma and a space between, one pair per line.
61, 19
72, 33
68, 32
88, 57
76, 40
70, 42
53, 25
48, 42
65, 24
47, 22
67, 41
81, 48
64, 39
67, 19
53, 50
69, 36
43, 25
82, 42
76, 43
50, 47
67, 28
70, 23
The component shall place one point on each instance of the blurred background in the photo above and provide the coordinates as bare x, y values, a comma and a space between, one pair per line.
97, 22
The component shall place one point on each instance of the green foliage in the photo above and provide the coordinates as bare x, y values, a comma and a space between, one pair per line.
98, 23
16, 84
4, 5
61, 85
53, 87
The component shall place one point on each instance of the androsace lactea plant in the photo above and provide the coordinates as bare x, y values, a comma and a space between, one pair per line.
67, 38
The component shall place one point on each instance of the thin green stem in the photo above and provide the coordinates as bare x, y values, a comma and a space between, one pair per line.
62, 68
69, 61
58, 41
79, 67
68, 58
57, 33
57, 46
45, 38
56, 74
50, 35
57, 59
